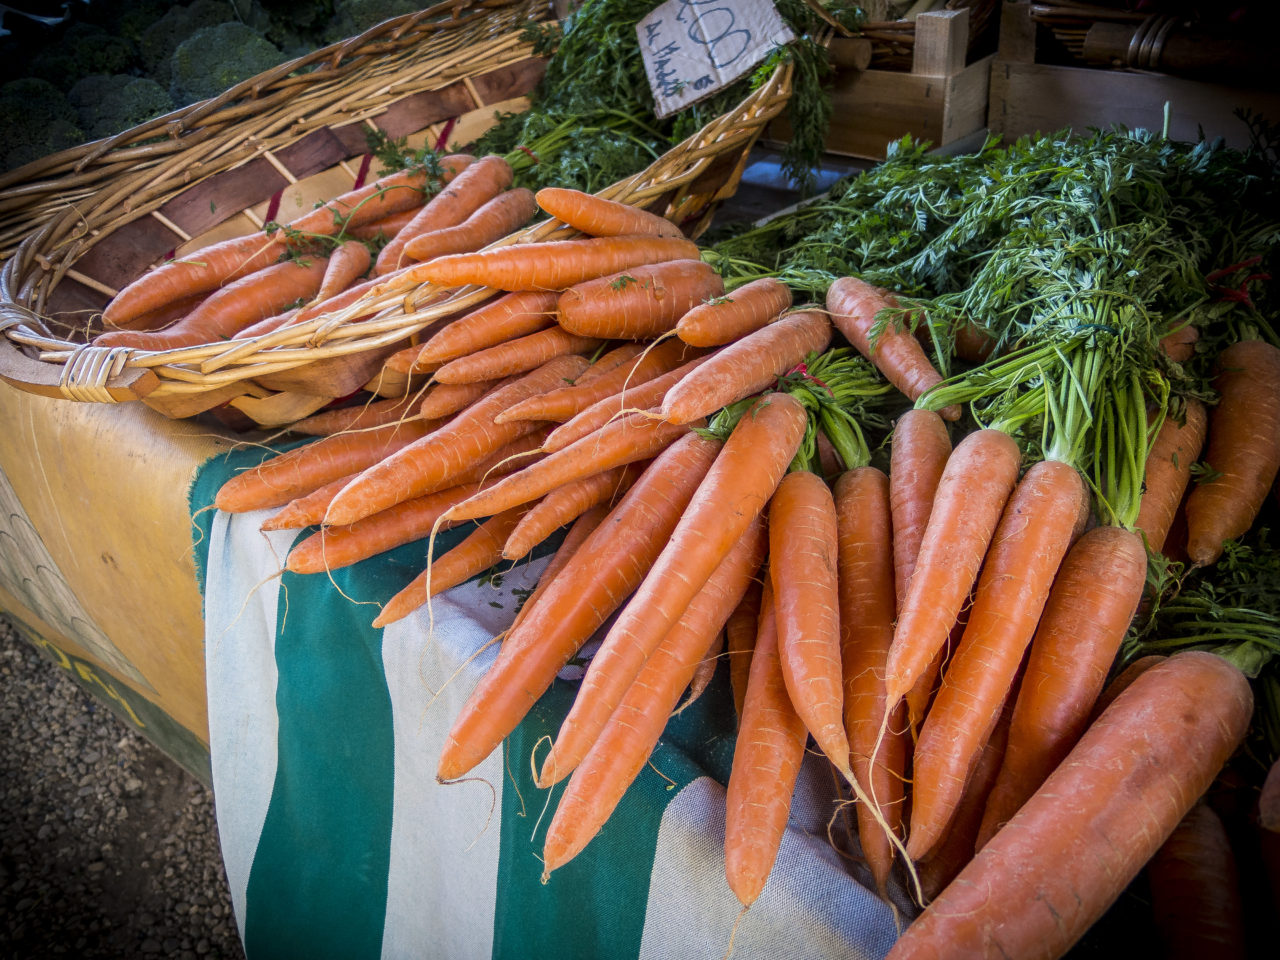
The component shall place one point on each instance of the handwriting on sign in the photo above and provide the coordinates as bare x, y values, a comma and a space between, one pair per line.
692, 48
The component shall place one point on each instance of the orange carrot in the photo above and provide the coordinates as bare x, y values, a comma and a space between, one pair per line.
866, 598
289, 475
740, 642
1269, 799
443, 399
1053, 870
1177, 446
1243, 452
853, 305
160, 317
638, 303
564, 504
1121, 681
610, 360
464, 195
1088, 611
735, 490
501, 215
348, 262
1029, 544
918, 456
1180, 345
307, 509
608, 566
802, 571
705, 670
766, 763
401, 190
497, 321
479, 551
384, 228
641, 397
632, 732
976, 482
576, 537
554, 265
733, 316
747, 366
515, 356
568, 401
236, 305
375, 413
462, 442
599, 217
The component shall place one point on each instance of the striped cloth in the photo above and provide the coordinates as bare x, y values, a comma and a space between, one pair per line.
338, 842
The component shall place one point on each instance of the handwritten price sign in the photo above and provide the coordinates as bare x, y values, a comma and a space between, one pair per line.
692, 48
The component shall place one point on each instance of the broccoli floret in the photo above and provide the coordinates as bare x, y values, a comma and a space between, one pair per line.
84, 49
353, 17
215, 58
35, 120
108, 104
162, 38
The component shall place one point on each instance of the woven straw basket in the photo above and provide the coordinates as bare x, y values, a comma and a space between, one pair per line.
98, 216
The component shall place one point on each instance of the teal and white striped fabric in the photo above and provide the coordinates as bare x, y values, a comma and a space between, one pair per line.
339, 843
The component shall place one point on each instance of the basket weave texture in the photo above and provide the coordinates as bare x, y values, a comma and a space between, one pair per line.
105, 212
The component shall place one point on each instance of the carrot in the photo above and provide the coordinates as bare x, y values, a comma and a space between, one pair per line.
1269, 799
464, 195
384, 228
864, 543
1053, 870
573, 539
161, 316
610, 361
554, 265
462, 442
733, 316
802, 572
972, 343
704, 672
639, 397
443, 399
307, 509
599, 217
1243, 452
476, 553
348, 262
740, 642
499, 216
747, 366
1168, 472
766, 762
563, 504
1088, 611
568, 401
258, 328
626, 440
375, 413
638, 303
1196, 904
918, 456
497, 321
608, 566
853, 305
977, 480
236, 305
735, 490
289, 475
1180, 345
1121, 681
631, 734
515, 356
1029, 544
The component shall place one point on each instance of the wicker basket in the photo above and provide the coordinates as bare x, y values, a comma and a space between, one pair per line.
110, 210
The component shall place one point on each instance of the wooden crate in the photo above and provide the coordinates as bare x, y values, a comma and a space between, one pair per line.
1029, 95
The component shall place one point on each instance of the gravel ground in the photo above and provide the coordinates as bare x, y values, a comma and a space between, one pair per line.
107, 847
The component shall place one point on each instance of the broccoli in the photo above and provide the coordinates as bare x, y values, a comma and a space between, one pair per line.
353, 17
109, 103
162, 38
35, 120
215, 58
83, 49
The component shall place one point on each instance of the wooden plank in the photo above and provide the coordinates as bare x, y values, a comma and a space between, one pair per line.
968, 94
318, 150
1017, 42
205, 205
514, 80
74, 303
128, 252
423, 109
941, 44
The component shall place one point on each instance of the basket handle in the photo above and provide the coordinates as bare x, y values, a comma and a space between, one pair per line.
92, 374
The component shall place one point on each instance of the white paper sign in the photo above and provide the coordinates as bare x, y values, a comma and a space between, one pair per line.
692, 48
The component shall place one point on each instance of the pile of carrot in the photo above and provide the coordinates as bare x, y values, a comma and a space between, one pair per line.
942, 617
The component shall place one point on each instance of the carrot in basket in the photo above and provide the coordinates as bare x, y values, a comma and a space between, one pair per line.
289, 475
563, 504
576, 536
375, 413
476, 553
802, 572
853, 305
504, 214
1034, 533
554, 265
1088, 611
609, 565
443, 399
740, 642
598, 217
735, 490
1066, 856
747, 366
384, 228
466, 193
637, 303
236, 305
1243, 450
734, 315
162, 316
515, 356
918, 455
627, 741
510, 316
866, 597
307, 509
461, 443
976, 482
1177, 446
766, 763
348, 262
